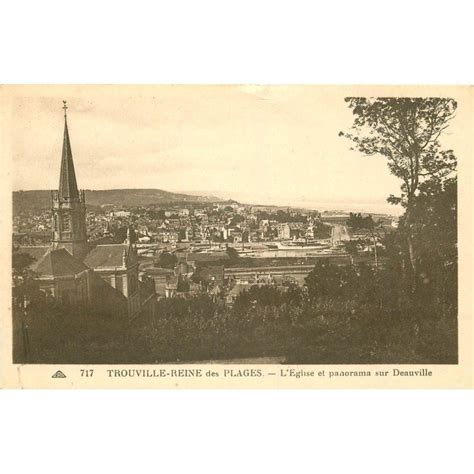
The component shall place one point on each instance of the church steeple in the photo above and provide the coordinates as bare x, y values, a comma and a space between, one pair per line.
68, 205
67, 180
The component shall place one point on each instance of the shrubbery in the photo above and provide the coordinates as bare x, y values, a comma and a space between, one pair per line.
345, 314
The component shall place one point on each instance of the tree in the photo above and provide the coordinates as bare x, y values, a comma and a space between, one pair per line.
435, 211
357, 222
167, 260
351, 247
406, 132
236, 219
20, 263
325, 280
233, 254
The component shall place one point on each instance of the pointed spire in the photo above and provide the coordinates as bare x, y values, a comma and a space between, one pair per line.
67, 181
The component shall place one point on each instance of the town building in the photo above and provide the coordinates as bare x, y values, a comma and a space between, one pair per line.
120, 213
290, 230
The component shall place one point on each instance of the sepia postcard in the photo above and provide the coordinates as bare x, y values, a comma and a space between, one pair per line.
236, 236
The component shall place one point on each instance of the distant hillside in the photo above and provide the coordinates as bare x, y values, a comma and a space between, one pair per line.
25, 200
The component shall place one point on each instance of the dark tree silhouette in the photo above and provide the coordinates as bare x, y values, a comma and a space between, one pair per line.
167, 260
406, 132
358, 222
352, 248
20, 263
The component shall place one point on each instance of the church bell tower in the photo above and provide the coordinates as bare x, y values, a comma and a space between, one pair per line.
69, 206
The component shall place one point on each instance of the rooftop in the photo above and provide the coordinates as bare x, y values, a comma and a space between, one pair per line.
106, 256
58, 263
36, 252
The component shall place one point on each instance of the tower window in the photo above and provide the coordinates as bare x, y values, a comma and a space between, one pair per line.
66, 221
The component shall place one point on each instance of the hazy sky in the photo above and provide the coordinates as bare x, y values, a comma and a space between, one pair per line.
259, 144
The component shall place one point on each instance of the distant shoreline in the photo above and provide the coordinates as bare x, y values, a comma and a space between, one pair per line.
159, 196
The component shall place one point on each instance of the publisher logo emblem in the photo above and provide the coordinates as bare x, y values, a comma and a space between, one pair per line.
58, 375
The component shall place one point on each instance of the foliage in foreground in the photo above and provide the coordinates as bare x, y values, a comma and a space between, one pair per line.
345, 315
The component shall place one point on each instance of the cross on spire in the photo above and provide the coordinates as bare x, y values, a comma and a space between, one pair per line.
67, 181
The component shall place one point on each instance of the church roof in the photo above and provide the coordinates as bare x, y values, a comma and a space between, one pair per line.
67, 180
36, 252
106, 256
58, 263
